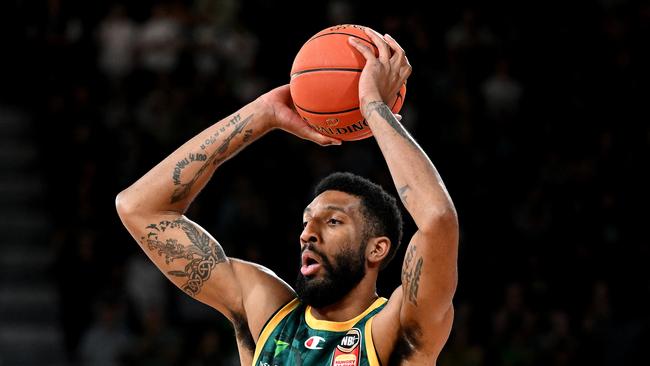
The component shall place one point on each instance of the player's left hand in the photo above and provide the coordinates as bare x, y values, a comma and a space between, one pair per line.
384, 75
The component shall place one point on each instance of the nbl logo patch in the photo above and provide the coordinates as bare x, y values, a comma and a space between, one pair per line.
348, 350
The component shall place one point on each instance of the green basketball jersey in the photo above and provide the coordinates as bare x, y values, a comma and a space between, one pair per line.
293, 337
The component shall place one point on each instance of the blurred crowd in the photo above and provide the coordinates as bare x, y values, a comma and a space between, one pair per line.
533, 113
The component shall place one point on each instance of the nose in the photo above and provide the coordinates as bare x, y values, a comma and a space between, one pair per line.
309, 234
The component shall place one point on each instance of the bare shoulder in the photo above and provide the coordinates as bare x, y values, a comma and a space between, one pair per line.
263, 293
412, 343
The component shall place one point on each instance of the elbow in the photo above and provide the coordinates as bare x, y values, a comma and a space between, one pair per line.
126, 206
440, 219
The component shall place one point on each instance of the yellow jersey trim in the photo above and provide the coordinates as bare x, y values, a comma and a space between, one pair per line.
270, 326
370, 344
314, 323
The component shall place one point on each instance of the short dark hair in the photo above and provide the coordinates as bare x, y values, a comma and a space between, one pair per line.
383, 216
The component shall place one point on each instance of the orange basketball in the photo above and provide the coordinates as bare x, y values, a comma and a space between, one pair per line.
325, 83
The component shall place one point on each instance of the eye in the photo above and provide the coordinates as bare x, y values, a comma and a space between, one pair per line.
304, 224
334, 221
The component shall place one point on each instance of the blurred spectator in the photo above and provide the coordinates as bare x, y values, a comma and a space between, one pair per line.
206, 40
469, 33
107, 340
157, 345
502, 93
146, 288
117, 41
160, 40
340, 12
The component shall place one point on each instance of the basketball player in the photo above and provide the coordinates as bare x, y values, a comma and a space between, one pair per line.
352, 228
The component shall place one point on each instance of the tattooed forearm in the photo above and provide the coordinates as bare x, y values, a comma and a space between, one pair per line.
213, 138
203, 254
215, 158
248, 135
411, 274
402, 193
384, 112
182, 164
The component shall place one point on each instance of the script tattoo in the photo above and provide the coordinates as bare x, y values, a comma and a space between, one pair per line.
182, 164
411, 274
203, 253
215, 158
384, 112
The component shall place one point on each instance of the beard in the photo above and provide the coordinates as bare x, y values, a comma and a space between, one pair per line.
337, 281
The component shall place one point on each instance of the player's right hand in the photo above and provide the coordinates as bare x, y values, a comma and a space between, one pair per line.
278, 106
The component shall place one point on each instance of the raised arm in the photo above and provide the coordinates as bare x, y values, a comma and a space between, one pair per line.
429, 272
152, 209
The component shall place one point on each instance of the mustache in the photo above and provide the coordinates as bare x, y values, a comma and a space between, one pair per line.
311, 248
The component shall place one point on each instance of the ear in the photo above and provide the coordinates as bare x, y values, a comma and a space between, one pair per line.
376, 250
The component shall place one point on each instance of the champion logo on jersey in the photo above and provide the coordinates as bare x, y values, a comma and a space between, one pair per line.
314, 342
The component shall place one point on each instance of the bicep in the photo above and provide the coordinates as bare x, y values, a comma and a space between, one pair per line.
190, 258
195, 262
429, 276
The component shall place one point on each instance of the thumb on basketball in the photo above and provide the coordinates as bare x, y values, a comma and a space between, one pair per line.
291, 122
308, 133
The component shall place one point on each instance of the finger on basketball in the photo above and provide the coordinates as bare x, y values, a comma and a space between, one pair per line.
392, 43
363, 49
398, 58
378, 40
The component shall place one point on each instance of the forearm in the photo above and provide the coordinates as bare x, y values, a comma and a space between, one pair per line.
174, 183
418, 183
429, 271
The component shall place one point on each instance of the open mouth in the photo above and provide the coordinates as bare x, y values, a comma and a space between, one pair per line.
310, 264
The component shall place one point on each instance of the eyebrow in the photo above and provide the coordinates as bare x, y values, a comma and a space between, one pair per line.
330, 207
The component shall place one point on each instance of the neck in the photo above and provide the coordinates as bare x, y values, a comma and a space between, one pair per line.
352, 304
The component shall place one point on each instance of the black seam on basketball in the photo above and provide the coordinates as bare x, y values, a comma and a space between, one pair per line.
325, 69
349, 34
308, 111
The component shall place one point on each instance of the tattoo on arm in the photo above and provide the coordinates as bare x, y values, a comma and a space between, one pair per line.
203, 253
384, 112
182, 164
215, 158
411, 274
402, 193
248, 135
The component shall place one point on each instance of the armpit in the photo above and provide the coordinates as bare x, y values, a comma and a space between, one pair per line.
409, 341
243, 333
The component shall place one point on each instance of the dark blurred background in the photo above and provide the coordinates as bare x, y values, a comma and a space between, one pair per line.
535, 114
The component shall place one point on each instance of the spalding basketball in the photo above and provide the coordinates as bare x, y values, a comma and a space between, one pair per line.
325, 82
